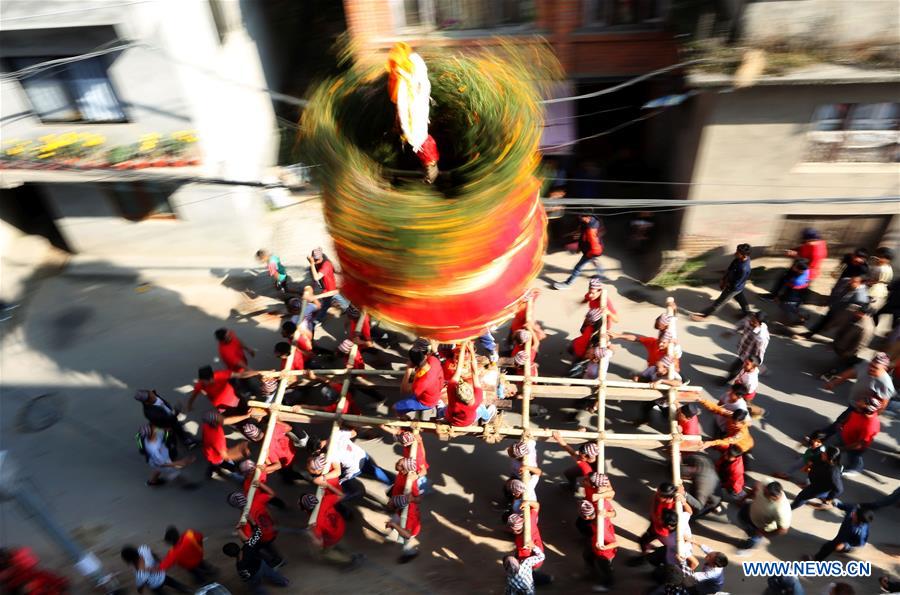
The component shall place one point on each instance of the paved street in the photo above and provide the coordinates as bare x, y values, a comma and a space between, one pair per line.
90, 341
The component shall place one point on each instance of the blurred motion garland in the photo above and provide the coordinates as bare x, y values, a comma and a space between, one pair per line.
451, 259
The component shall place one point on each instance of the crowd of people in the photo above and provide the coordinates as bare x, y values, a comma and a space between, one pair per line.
463, 384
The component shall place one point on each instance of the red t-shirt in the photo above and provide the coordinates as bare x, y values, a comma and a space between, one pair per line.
218, 390
330, 525
581, 342
860, 428
428, 382
815, 252
656, 513
609, 535
458, 413
691, 426
282, 449
187, 551
304, 342
366, 332
731, 474
359, 363
213, 443
523, 553
326, 269
421, 461
399, 487
654, 353
413, 522
585, 468
519, 320
297, 363
262, 519
232, 355
249, 479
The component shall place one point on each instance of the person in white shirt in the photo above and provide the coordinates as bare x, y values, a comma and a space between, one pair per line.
732, 401
708, 575
748, 376
354, 462
147, 574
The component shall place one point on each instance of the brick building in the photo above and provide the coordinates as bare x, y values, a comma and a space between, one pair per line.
598, 42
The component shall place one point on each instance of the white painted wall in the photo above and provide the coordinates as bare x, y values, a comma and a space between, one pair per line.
752, 147
827, 22
180, 77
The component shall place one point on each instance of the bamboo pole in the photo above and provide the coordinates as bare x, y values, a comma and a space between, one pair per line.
300, 414
270, 426
545, 380
526, 417
676, 437
601, 416
336, 425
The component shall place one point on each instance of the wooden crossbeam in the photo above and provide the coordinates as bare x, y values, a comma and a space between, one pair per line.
300, 414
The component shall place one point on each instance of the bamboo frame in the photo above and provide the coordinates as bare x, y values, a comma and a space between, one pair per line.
270, 426
553, 388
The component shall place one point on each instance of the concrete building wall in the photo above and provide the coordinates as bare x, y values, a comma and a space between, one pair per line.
823, 22
186, 72
752, 147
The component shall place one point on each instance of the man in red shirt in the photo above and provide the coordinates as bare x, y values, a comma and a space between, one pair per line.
232, 351
516, 523
322, 271
364, 337
599, 557
814, 250
591, 248
585, 459
657, 347
217, 387
730, 467
408, 440
689, 420
329, 529
283, 352
464, 393
259, 517
215, 448
592, 299
187, 552
410, 530
423, 382
663, 499
857, 433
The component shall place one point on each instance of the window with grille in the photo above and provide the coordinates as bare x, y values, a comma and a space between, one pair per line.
855, 132
76, 92
461, 15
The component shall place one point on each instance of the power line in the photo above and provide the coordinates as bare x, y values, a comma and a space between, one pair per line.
71, 11
616, 203
556, 121
726, 184
628, 83
50, 64
615, 128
